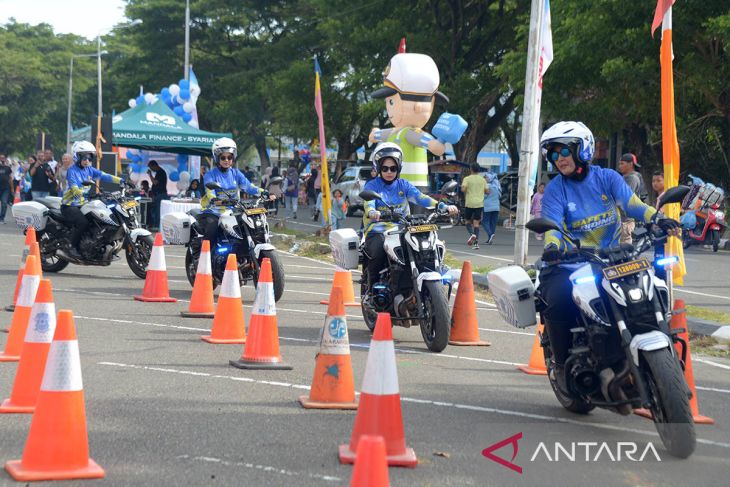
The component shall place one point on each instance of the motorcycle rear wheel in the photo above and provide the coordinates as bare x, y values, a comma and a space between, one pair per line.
571, 403
670, 410
436, 327
50, 262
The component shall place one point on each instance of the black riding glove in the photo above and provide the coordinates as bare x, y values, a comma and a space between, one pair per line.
667, 225
551, 253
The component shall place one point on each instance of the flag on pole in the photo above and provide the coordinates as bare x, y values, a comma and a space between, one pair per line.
402, 45
546, 58
326, 200
670, 145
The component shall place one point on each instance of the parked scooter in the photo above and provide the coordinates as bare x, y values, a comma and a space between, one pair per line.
707, 231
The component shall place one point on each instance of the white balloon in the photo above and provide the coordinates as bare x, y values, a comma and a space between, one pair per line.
174, 90
194, 90
134, 176
194, 123
132, 103
149, 98
188, 107
184, 181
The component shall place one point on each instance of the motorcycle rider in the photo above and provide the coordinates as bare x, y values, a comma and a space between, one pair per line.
224, 155
84, 155
397, 192
583, 199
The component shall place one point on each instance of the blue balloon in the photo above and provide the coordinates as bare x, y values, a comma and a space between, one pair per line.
165, 92
184, 84
140, 100
185, 94
174, 176
179, 111
187, 117
134, 167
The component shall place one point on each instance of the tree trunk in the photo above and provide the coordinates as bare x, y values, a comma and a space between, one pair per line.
260, 143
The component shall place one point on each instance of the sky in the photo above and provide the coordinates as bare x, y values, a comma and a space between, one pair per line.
82, 17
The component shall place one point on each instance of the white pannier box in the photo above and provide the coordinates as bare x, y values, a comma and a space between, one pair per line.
30, 214
345, 243
176, 228
514, 295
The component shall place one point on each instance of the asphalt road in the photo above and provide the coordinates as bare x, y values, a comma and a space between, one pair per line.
706, 282
165, 408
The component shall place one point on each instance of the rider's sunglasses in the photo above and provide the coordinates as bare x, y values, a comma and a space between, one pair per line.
225, 158
553, 154
389, 169
88, 157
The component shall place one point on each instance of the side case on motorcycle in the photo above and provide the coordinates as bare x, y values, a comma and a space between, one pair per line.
30, 214
176, 228
345, 243
514, 295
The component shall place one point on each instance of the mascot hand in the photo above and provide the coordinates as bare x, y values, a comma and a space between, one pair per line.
371, 137
436, 147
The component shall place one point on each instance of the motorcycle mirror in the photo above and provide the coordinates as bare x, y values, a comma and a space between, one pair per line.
449, 188
369, 195
672, 195
213, 185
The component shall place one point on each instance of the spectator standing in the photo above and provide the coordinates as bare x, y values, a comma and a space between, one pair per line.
312, 193
26, 182
536, 206
158, 191
49, 159
339, 210
627, 167
275, 188
291, 193
657, 184
6, 186
66, 162
474, 188
491, 206
41, 178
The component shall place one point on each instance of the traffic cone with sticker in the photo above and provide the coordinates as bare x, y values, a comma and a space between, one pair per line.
333, 386
464, 324
202, 304
536, 364
38, 337
57, 447
29, 240
155, 285
371, 465
262, 347
343, 279
679, 322
379, 412
228, 324
21, 315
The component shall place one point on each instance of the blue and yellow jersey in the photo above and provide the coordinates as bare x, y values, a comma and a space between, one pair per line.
589, 209
397, 194
230, 179
76, 193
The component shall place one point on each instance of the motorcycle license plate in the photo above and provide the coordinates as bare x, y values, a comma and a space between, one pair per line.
129, 204
255, 211
423, 228
626, 269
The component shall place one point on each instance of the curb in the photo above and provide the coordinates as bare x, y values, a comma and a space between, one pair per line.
709, 328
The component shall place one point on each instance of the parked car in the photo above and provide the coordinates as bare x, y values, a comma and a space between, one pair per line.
351, 181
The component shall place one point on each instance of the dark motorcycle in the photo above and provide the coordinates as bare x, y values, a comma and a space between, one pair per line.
114, 226
413, 288
240, 221
623, 353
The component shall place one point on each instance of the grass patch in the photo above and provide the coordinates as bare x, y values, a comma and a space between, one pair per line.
711, 346
708, 314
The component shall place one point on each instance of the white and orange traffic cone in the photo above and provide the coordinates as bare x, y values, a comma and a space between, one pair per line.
343, 279
23, 307
333, 386
371, 465
155, 285
262, 346
202, 304
379, 412
38, 337
464, 324
57, 447
30, 238
228, 323
536, 363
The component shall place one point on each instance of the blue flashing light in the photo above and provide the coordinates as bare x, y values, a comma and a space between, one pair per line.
111, 205
584, 280
446, 278
223, 249
665, 261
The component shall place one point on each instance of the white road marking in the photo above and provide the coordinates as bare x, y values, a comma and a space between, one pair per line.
507, 331
426, 402
472, 254
713, 389
708, 362
263, 468
701, 294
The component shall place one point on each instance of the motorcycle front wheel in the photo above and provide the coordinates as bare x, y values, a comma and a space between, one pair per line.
436, 325
670, 403
368, 315
138, 255
277, 272
715, 240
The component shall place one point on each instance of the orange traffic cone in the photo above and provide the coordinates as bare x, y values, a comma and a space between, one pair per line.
371, 466
38, 337
262, 348
679, 321
464, 324
536, 365
333, 386
57, 447
202, 304
228, 324
21, 315
29, 240
343, 279
16, 199
379, 412
155, 285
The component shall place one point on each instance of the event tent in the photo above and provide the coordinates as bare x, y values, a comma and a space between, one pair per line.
156, 127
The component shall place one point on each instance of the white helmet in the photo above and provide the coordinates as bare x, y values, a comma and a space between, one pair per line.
573, 134
223, 145
83, 147
384, 150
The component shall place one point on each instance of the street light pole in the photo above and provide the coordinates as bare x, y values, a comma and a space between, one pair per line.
186, 74
70, 94
98, 70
